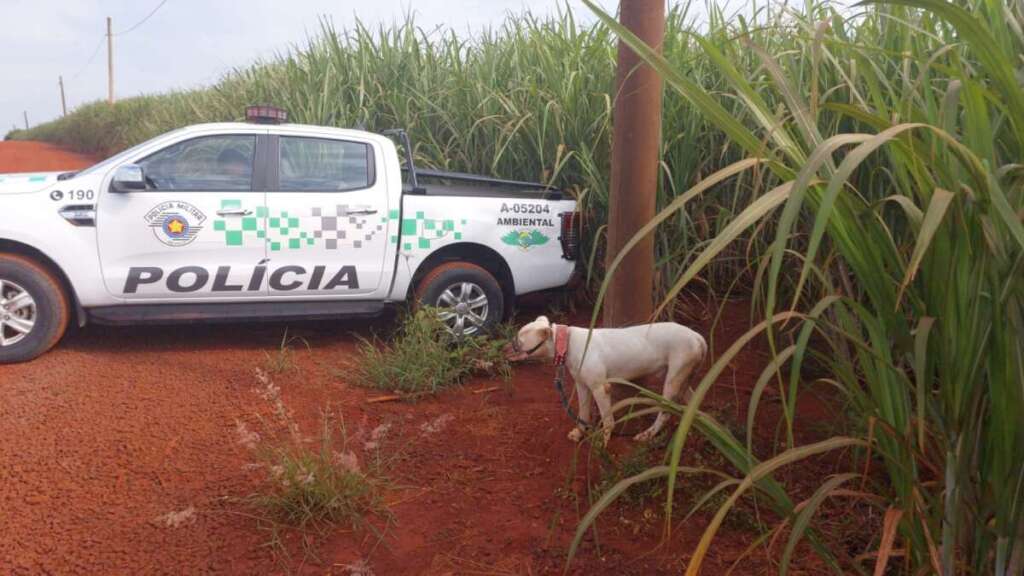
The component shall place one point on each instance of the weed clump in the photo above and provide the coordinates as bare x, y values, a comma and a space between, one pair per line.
424, 358
317, 486
613, 471
282, 359
311, 483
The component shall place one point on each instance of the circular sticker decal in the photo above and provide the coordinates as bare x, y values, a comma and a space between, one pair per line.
56, 195
175, 223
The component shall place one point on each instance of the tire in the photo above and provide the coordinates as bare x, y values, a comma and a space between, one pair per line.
34, 310
453, 284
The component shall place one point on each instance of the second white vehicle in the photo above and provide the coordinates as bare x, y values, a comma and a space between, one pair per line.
264, 220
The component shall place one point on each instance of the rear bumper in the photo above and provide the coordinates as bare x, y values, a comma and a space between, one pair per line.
576, 279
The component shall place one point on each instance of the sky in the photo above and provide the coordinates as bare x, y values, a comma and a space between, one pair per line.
189, 43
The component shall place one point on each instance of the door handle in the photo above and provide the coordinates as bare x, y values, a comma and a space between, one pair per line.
234, 212
360, 212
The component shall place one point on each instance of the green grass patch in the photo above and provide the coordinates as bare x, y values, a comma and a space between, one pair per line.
424, 358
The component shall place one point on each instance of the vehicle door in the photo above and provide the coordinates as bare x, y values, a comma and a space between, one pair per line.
327, 218
196, 231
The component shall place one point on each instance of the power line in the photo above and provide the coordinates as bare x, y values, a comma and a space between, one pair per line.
143, 21
107, 36
91, 58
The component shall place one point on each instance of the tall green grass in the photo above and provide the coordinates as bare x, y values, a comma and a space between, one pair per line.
893, 184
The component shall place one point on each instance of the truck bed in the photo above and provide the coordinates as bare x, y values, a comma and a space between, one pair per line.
441, 183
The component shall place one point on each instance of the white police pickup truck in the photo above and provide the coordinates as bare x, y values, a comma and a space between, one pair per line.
265, 220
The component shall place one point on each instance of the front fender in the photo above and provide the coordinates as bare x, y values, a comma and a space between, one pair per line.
32, 223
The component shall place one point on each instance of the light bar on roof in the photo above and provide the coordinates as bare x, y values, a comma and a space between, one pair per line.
265, 115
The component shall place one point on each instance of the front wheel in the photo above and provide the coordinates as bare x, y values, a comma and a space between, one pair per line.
468, 298
34, 310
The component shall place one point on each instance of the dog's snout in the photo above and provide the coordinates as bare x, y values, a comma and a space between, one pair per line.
512, 351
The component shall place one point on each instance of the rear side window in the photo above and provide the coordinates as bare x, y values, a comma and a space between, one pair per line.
204, 164
319, 165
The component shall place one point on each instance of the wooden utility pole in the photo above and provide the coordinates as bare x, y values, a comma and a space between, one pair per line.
110, 63
63, 101
636, 152
25, 115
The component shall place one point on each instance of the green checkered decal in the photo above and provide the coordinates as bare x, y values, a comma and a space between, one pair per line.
421, 232
330, 228
284, 231
244, 230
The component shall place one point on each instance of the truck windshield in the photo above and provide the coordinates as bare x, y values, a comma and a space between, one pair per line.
119, 157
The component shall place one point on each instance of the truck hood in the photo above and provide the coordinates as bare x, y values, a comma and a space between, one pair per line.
26, 182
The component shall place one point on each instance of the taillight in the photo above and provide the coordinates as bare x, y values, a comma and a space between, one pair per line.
570, 235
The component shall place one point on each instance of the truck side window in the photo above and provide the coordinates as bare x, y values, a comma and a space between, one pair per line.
321, 165
204, 164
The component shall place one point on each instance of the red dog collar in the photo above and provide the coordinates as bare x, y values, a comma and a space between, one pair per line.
561, 344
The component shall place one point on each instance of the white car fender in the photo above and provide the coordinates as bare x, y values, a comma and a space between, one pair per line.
35, 219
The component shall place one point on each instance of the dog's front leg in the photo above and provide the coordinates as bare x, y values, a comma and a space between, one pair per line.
583, 401
603, 397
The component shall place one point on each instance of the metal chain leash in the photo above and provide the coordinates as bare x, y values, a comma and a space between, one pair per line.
560, 386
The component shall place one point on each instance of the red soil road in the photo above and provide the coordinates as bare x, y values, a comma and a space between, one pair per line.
19, 156
116, 428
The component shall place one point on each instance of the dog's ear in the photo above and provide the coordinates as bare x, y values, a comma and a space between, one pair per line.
545, 332
543, 320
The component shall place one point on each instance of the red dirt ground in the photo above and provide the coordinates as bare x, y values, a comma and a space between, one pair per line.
114, 429
19, 156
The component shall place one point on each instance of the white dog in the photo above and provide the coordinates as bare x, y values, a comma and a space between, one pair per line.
626, 353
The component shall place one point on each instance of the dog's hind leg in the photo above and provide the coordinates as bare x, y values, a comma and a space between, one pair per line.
584, 399
674, 380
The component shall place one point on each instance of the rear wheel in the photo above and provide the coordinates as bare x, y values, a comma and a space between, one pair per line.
34, 310
468, 298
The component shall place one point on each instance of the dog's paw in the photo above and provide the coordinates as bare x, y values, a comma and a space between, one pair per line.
644, 436
688, 395
576, 434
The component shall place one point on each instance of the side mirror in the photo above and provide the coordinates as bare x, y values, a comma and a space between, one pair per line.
128, 178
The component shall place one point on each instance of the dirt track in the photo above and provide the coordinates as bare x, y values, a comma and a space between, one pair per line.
106, 435
18, 156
